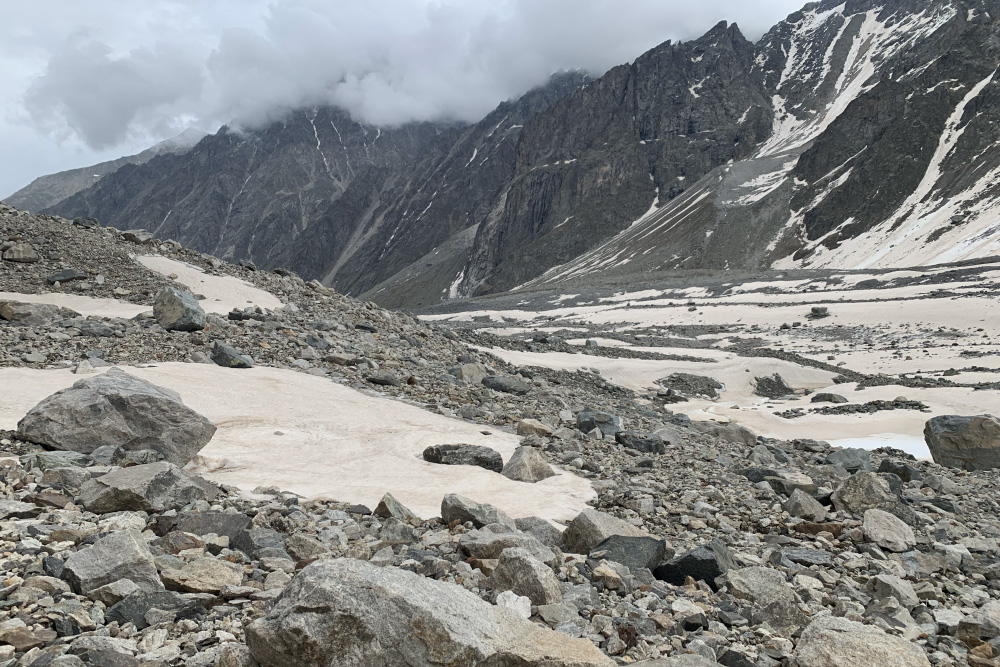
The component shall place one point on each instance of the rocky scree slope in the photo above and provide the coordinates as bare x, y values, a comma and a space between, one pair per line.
763, 552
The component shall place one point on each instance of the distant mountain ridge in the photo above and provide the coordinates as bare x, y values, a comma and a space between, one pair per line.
854, 133
49, 190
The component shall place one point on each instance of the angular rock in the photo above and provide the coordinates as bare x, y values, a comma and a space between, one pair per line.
649, 443
384, 379
608, 424
520, 572
178, 310
134, 608
204, 575
117, 409
705, 563
852, 459
540, 529
121, 555
867, 490
883, 586
634, 553
772, 386
459, 508
533, 427
967, 443
66, 276
804, 506
34, 314
486, 544
22, 253
153, 487
590, 528
526, 464
465, 455
772, 597
389, 507
830, 641
731, 432
227, 356
982, 624
259, 543
227, 524
340, 613
506, 385
887, 531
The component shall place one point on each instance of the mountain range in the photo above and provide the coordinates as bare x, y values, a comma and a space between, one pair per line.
851, 135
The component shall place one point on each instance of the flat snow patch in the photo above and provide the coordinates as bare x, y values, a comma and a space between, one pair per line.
334, 442
85, 305
222, 293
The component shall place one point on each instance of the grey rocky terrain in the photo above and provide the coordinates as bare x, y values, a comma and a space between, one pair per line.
707, 544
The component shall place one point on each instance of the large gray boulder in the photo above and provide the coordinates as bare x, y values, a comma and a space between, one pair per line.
591, 527
967, 443
863, 491
121, 410
121, 555
34, 314
459, 508
344, 612
527, 465
153, 487
522, 573
178, 310
491, 541
831, 641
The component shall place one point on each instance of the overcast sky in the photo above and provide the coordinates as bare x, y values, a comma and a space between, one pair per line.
90, 81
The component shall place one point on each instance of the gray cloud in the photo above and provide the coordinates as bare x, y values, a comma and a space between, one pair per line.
171, 64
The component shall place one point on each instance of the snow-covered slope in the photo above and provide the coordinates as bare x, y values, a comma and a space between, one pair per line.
884, 151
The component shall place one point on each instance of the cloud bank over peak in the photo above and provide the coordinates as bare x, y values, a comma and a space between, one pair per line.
387, 63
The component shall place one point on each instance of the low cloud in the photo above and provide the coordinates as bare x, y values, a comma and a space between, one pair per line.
387, 62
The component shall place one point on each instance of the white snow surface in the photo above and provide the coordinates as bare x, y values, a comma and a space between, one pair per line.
318, 439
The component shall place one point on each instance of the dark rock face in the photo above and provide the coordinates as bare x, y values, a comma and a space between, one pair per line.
465, 455
967, 443
702, 564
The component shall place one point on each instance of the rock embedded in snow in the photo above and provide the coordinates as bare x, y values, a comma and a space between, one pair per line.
591, 527
34, 314
887, 531
826, 397
467, 455
118, 409
966, 443
121, 555
227, 356
349, 612
829, 641
527, 465
177, 310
